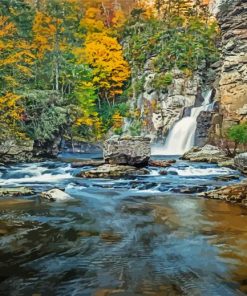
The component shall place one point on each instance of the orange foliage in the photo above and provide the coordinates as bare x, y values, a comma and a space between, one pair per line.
15, 60
104, 54
117, 120
44, 32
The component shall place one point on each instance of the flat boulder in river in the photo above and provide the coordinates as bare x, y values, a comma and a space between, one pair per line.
18, 191
112, 171
236, 193
126, 150
87, 162
208, 153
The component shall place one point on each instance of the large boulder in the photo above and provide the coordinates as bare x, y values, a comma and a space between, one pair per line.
236, 193
12, 151
112, 171
134, 151
240, 162
55, 195
208, 153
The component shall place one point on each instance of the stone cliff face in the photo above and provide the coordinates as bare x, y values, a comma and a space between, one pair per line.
231, 84
160, 109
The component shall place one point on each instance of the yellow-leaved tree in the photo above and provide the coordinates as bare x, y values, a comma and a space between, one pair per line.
104, 54
16, 59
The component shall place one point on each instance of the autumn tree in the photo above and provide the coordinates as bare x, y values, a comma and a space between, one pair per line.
16, 59
103, 53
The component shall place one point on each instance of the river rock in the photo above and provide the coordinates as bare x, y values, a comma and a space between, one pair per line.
87, 162
163, 172
227, 178
161, 163
12, 151
208, 153
190, 189
55, 195
112, 171
240, 162
18, 191
110, 237
227, 164
126, 150
236, 193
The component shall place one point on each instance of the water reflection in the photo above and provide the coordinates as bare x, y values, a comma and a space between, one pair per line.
230, 225
121, 237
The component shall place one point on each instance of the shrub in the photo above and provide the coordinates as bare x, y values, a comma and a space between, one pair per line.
135, 128
238, 133
162, 81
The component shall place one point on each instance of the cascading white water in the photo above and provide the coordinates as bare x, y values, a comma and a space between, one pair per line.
181, 137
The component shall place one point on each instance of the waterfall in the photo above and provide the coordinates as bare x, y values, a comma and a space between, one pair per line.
181, 137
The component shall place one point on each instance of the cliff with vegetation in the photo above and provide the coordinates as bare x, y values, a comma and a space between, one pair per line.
82, 71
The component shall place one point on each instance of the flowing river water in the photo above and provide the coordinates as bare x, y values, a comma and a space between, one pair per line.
131, 236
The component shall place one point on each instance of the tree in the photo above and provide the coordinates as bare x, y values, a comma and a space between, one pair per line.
104, 54
238, 134
16, 59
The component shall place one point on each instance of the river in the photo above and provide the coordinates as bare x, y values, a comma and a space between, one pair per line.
131, 236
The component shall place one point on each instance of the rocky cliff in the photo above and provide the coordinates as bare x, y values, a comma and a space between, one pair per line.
160, 109
231, 84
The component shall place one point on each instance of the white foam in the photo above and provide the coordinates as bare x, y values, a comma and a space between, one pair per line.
46, 178
191, 171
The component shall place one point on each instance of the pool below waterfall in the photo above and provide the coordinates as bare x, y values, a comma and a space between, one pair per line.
143, 235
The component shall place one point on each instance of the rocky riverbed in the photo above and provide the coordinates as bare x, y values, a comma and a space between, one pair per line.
133, 235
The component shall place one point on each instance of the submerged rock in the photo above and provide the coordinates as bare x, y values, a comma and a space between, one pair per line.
208, 153
55, 195
240, 162
112, 171
139, 208
227, 178
163, 172
236, 193
110, 237
18, 191
161, 163
14, 202
126, 150
87, 162
189, 189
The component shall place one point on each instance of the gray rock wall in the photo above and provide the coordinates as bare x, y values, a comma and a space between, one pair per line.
232, 82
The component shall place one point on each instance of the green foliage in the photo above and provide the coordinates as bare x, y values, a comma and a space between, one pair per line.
135, 128
122, 109
161, 81
238, 133
107, 111
118, 131
181, 43
47, 115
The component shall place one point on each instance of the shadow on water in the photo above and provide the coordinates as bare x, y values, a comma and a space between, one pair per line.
121, 237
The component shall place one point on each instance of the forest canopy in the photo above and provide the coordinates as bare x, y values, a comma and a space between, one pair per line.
69, 68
